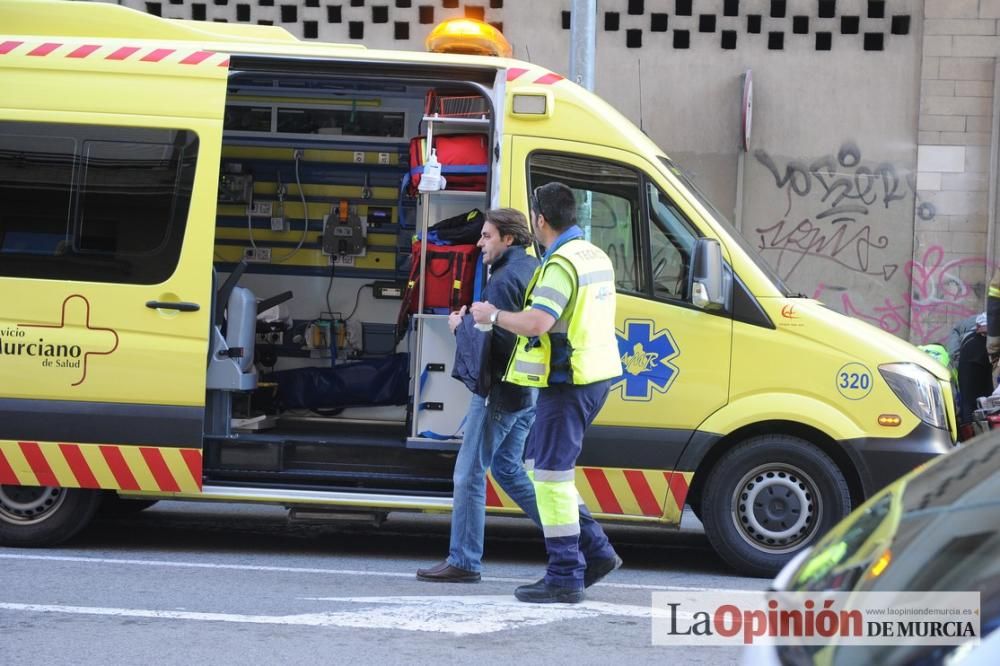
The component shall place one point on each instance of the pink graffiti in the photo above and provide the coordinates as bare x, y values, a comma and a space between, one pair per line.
937, 297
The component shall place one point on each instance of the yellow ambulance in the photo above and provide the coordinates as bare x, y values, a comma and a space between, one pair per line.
190, 209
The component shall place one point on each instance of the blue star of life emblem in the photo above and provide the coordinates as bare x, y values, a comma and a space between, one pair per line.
646, 356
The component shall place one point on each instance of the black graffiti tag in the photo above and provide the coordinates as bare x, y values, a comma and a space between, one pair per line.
848, 191
847, 245
840, 188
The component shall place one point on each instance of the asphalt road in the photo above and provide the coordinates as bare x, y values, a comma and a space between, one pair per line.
231, 584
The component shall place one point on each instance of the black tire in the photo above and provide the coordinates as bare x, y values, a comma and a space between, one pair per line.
770, 497
114, 506
33, 517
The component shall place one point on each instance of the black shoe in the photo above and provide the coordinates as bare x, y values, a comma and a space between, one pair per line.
598, 569
446, 573
543, 593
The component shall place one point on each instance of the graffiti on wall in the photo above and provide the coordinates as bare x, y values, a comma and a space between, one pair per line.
843, 197
938, 296
839, 210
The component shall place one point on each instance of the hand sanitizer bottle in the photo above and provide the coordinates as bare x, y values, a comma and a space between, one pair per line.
431, 180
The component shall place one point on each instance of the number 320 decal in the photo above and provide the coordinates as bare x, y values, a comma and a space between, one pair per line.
854, 381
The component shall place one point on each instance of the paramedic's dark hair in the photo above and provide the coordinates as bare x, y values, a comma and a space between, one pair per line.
556, 202
510, 222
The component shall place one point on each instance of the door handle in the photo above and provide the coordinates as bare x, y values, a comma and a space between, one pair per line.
173, 305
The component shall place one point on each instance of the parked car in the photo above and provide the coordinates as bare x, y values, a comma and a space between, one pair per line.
935, 529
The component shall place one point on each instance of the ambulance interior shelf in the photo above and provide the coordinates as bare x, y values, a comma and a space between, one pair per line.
440, 402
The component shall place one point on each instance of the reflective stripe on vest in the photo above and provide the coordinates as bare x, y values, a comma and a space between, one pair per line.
534, 368
597, 276
589, 327
553, 295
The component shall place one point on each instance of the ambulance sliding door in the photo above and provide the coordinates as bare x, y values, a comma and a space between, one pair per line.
105, 265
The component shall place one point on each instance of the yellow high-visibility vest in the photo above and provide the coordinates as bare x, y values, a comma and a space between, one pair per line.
587, 332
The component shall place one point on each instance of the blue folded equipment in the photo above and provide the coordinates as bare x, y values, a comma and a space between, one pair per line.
363, 383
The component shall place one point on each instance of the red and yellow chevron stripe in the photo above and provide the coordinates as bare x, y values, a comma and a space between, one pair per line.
624, 492
113, 52
104, 466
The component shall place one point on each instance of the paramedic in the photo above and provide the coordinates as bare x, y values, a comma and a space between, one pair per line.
567, 347
500, 414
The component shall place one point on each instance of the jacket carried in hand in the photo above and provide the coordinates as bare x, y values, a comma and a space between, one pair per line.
481, 358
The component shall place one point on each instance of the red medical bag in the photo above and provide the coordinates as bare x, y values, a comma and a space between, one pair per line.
450, 278
463, 159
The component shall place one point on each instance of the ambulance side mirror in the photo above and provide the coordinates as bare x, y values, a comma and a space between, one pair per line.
706, 275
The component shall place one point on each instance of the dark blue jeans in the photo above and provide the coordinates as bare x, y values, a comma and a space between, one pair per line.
494, 441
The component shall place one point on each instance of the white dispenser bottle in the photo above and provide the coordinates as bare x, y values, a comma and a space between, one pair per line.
431, 180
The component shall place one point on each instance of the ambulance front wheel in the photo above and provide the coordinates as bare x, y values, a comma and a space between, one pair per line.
32, 516
770, 497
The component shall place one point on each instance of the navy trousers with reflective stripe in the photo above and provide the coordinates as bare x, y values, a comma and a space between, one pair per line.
562, 414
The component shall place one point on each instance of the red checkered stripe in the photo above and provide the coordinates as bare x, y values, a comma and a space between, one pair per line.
114, 53
624, 492
104, 466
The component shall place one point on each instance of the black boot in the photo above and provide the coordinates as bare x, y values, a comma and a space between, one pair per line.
543, 593
598, 569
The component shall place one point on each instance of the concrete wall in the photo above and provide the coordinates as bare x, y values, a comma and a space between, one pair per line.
867, 183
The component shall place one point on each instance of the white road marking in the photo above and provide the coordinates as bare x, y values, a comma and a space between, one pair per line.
462, 615
312, 570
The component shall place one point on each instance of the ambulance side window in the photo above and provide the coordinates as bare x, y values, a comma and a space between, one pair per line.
609, 207
94, 203
671, 241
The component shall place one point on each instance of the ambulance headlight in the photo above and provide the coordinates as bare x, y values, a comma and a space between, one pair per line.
918, 389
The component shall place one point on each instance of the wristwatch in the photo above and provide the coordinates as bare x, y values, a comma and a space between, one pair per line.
493, 316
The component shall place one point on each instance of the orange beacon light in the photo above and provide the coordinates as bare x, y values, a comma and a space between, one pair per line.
468, 36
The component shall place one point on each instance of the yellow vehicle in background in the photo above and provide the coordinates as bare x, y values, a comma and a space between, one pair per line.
932, 531
158, 175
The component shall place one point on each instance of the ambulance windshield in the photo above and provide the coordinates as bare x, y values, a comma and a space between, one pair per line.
680, 174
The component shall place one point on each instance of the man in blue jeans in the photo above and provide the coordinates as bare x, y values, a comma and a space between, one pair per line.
500, 414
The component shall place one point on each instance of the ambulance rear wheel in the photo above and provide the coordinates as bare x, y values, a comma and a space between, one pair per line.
33, 516
769, 498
